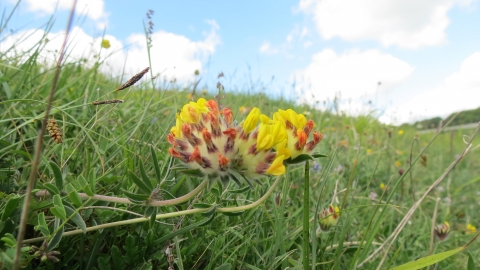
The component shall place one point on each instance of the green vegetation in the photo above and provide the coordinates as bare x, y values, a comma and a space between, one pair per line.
121, 150
464, 117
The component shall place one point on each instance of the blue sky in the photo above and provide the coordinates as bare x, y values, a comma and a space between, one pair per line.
426, 54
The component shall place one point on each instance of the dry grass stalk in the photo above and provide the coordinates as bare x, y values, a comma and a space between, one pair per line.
107, 102
133, 80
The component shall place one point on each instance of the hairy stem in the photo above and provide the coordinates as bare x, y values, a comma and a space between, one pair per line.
113, 199
164, 216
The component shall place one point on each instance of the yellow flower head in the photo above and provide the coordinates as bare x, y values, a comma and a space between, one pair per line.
298, 130
471, 229
401, 132
105, 44
206, 138
369, 151
383, 186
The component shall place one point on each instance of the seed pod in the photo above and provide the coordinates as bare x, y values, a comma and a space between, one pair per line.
54, 131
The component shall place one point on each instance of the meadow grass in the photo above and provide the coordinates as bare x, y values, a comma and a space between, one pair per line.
120, 150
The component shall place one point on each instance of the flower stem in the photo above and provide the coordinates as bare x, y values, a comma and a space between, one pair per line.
252, 205
113, 199
168, 215
306, 212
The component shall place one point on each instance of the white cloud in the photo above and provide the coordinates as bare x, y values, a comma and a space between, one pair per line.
174, 56
93, 9
406, 23
353, 75
267, 48
459, 91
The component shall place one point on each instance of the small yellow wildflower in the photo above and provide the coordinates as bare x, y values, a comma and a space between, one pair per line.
401, 132
369, 151
105, 43
189, 96
204, 92
398, 163
244, 110
471, 229
383, 186
298, 130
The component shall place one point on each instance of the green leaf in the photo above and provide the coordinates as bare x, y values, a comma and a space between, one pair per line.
57, 173
139, 182
318, 155
301, 158
210, 212
81, 181
58, 209
76, 218
202, 205
429, 260
42, 225
85, 186
216, 191
52, 189
155, 164
233, 214
118, 261
92, 181
57, 237
136, 198
470, 263
9, 240
10, 206
73, 195
145, 178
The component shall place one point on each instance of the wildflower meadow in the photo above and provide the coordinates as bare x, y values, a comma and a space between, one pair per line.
105, 172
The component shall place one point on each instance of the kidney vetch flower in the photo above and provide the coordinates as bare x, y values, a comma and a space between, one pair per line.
206, 138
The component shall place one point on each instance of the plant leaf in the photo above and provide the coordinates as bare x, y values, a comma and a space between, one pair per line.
429, 260
155, 164
139, 182
10, 206
76, 218
57, 173
145, 178
57, 237
301, 158
73, 195
52, 189
58, 209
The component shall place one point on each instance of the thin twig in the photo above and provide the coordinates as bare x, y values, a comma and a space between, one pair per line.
38, 147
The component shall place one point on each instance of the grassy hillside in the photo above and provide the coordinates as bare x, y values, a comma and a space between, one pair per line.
121, 150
